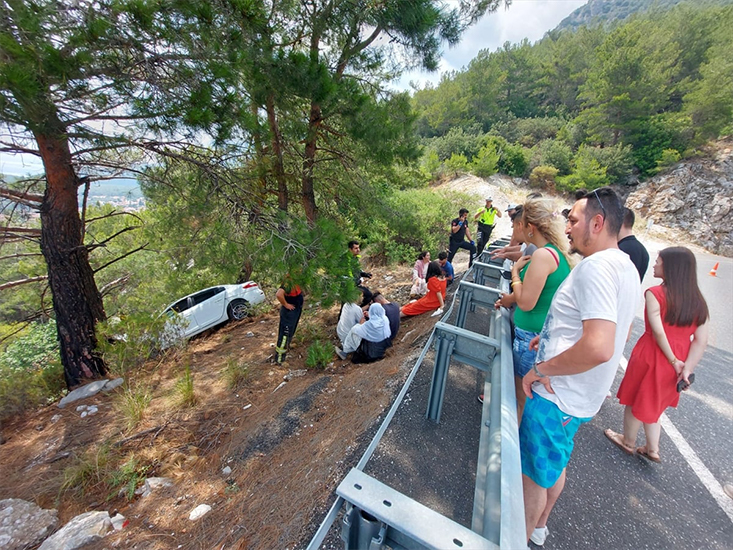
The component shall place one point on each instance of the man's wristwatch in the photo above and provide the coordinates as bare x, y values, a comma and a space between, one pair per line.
536, 370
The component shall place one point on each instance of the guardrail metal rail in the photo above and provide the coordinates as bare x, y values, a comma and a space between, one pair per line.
377, 516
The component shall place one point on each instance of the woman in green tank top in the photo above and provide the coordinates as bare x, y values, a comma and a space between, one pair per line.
535, 279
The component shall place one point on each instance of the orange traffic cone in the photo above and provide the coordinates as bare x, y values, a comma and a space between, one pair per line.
714, 271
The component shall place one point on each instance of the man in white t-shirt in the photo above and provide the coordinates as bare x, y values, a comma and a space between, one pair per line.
578, 352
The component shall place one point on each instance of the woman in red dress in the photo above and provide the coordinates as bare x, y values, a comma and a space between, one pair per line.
675, 337
433, 300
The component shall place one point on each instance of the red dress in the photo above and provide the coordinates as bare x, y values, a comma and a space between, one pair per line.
650, 383
429, 302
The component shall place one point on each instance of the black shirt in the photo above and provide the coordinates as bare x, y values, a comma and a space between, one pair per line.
460, 235
392, 311
638, 254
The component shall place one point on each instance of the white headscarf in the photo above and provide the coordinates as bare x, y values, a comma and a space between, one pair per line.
376, 328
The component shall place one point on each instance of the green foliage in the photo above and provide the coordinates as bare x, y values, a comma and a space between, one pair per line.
319, 354
551, 152
127, 342
132, 404
185, 395
543, 177
485, 163
31, 373
528, 132
457, 163
127, 475
430, 165
457, 142
235, 373
86, 470
513, 159
587, 174
617, 159
669, 158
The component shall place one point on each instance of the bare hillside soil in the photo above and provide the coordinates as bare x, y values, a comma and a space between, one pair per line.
288, 445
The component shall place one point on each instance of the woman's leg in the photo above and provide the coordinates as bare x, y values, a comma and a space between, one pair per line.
631, 427
521, 398
653, 433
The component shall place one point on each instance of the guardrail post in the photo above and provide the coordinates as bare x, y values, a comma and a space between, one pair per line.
443, 350
464, 301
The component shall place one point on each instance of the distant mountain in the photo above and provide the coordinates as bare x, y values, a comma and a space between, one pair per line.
611, 11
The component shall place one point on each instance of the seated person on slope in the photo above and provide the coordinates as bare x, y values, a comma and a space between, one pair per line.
369, 339
434, 299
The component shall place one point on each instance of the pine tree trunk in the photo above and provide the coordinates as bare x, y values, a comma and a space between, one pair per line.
76, 301
277, 149
307, 190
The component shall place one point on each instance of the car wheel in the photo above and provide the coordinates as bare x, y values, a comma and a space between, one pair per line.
237, 310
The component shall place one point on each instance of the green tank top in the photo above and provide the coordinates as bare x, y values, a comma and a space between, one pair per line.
533, 319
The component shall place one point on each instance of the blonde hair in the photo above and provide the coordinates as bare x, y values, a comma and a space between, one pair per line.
542, 214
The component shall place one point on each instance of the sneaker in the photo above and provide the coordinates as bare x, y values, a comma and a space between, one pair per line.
539, 535
481, 398
340, 353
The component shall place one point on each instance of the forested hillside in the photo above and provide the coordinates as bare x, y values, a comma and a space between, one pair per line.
613, 11
587, 107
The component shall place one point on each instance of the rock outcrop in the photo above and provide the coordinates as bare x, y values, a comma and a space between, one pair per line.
696, 196
23, 524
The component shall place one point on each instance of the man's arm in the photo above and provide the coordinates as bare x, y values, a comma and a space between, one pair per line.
456, 226
481, 211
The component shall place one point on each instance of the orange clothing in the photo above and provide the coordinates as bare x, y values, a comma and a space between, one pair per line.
430, 301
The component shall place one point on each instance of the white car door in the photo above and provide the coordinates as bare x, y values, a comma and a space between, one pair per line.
209, 308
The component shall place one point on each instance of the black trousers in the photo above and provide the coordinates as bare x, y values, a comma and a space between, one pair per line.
288, 323
485, 236
453, 247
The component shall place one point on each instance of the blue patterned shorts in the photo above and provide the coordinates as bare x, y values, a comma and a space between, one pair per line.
546, 440
523, 356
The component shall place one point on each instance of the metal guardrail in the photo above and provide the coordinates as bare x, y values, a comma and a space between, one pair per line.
377, 516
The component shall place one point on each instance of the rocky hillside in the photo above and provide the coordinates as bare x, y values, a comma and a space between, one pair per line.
696, 197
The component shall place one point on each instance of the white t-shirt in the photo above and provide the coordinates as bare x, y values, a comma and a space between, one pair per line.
351, 314
603, 286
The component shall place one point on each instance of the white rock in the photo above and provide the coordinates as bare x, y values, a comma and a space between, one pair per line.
80, 531
81, 408
112, 384
226, 470
84, 414
117, 522
55, 418
23, 524
198, 512
250, 334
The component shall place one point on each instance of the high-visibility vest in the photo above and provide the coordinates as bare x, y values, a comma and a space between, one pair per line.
487, 216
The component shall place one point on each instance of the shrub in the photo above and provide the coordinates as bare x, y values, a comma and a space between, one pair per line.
555, 153
235, 373
485, 163
513, 159
186, 397
127, 342
617, 159
128, 475
430, 165
588, 174
458, 141
528, 131
668, 158
320, 354
132, 404
86, 470
543, 177
457, 163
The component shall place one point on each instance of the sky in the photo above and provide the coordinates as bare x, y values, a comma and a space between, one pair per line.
529, 19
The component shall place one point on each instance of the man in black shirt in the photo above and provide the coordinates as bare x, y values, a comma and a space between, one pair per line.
392, 311
459, 232
628, 243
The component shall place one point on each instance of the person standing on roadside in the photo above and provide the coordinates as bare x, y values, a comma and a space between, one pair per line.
459, 232
578, 352
291, 306
628, 243
486, 221
355, 271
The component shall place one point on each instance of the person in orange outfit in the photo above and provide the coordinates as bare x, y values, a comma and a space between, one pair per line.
434, 299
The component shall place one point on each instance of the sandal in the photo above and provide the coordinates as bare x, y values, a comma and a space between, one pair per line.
649, 455
618, 440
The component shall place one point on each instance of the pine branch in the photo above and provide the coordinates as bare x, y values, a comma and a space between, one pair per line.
11, 284
138, 249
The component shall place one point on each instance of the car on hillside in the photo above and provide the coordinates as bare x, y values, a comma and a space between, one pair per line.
206, 308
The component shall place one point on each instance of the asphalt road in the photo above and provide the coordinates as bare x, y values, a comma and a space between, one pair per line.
612, 500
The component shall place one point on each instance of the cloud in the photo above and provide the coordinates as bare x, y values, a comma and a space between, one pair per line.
529, 19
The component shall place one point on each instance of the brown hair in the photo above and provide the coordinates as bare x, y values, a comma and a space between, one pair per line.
685, 303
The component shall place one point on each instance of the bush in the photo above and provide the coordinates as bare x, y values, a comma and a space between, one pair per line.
235, 373
457, 163
669, 158
513, 159
430, 165
528, 131
485, 162
543, 177
132, 404
588, 174
458, 141
185, 395
31, 373
320, 354
555, 153
617, 159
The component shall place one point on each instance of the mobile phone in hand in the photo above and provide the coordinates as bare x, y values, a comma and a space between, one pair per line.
682, 385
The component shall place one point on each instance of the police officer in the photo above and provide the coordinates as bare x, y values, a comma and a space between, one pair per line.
486, 223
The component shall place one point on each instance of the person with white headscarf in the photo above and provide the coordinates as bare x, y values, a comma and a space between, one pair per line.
374, 329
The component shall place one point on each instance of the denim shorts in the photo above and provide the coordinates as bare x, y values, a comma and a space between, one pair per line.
523, 357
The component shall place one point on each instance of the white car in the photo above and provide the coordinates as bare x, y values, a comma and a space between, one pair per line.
206, 308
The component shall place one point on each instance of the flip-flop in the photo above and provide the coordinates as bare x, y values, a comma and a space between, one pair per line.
618, 440
643, 452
